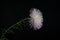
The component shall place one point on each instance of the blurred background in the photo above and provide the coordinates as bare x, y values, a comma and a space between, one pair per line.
14, 11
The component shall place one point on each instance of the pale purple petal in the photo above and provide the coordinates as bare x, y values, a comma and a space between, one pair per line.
36, 18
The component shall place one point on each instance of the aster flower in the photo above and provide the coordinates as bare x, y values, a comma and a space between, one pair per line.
36, 19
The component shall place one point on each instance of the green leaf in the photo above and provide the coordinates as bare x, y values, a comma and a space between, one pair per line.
10, 31
3, 39
3, 30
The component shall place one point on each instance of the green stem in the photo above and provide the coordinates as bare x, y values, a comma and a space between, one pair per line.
13, 26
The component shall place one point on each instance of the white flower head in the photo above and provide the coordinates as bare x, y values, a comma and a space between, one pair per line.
36, 18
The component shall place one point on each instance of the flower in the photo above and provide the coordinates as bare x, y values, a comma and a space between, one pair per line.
36, 18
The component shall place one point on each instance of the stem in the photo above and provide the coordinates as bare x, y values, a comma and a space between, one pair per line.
13, 26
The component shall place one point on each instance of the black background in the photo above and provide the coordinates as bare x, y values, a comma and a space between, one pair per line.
13, 11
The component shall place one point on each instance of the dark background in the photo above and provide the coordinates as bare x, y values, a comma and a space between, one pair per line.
13, 11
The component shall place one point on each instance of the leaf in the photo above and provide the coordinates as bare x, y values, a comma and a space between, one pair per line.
3, 30
10, 31
15, 27
3, 39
